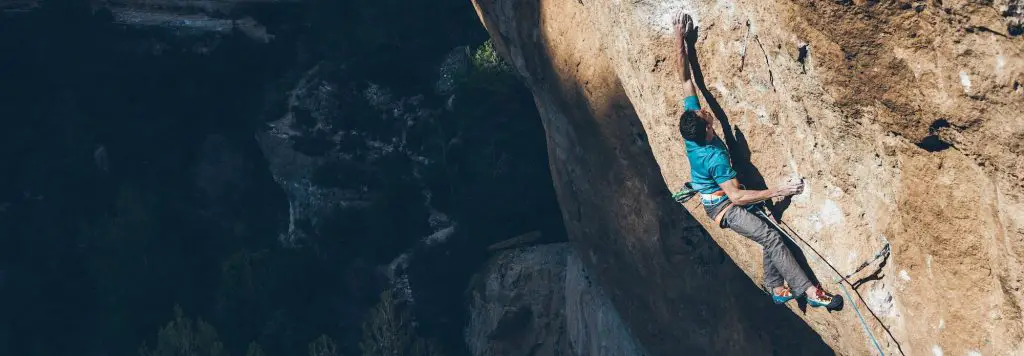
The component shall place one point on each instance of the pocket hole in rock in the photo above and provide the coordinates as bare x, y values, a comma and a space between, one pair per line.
802, 57
932, 142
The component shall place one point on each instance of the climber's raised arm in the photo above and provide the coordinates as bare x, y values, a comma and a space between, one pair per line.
683, 24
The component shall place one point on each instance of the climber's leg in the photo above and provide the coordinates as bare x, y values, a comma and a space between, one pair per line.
749, 225
776, 253
772, 277
774, 282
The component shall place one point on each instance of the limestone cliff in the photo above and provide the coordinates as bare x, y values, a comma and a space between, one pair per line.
903, 116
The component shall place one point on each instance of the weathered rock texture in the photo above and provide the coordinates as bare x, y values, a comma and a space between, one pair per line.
540, 300
595, 328
903, 116
517, 304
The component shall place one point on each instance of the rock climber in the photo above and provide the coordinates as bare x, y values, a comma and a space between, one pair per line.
725, 200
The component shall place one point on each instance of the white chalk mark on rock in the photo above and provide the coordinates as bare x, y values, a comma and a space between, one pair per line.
831, 214
667, 11
928, 263
965, 80
762, 115
936, 350
727, 5
815, 222
881, 301
904, 275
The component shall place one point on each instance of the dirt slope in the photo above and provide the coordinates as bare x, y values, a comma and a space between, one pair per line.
904, 117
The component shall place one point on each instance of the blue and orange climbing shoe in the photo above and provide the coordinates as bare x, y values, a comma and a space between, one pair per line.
821, 298
786, 296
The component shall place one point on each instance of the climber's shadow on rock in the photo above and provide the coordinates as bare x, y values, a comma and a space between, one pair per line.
746, 172
739, 150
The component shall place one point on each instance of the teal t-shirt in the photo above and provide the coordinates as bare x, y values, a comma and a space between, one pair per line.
709, 163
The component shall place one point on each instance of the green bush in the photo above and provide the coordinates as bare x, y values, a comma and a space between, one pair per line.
133, 263
489, 141
486, 59
490, 76
389, 331
323, 346
254, 350
185, 337
280, 298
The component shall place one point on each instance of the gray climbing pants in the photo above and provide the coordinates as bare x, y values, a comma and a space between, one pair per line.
779, 263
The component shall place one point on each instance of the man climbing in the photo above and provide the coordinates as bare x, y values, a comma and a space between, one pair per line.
725, 200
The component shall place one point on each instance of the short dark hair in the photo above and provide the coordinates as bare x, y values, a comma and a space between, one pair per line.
691, 127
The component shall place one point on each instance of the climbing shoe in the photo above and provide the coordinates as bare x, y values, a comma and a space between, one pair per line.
786, 296
821, 298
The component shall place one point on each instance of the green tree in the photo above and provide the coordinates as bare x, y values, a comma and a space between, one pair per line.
254, 350
185, 337
492, 131
323, 346
487, 60
133, 263
389, 331
490, 76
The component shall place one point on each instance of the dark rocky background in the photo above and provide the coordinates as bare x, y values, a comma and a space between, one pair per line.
256, 177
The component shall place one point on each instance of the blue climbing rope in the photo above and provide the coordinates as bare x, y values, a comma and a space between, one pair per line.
861, 317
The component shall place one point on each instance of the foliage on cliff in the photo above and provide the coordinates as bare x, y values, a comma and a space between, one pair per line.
390, 331
184, 336
493, 123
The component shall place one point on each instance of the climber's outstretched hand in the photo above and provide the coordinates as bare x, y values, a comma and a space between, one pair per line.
683, 24
791, 187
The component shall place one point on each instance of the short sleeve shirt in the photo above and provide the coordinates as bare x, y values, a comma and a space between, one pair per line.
710, 164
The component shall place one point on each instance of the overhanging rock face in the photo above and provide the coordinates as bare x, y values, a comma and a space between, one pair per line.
904, 117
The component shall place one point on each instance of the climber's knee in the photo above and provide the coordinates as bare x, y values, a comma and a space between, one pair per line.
750, 226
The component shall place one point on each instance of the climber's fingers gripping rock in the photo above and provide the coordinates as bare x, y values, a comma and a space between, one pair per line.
791, 188
682, 22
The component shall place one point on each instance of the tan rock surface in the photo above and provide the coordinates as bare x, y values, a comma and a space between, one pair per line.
853, 113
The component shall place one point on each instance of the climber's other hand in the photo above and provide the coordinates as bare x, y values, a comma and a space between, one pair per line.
790, 188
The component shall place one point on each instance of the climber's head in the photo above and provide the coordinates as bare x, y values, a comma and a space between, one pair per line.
696, 126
